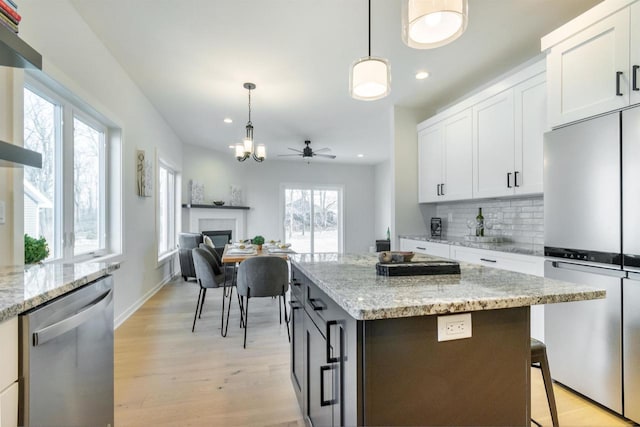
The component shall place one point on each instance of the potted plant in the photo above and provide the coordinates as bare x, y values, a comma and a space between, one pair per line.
35, 250
258, 241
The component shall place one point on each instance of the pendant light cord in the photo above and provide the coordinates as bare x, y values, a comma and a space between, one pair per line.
249, 106
369, 28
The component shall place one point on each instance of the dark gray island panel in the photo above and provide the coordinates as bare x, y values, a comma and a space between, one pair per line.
365, 348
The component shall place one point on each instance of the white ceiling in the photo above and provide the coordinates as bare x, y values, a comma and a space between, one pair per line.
191, 58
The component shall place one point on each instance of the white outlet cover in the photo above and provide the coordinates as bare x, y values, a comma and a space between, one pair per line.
454, 327
2, 212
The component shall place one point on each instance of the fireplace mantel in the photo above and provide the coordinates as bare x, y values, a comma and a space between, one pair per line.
199, 218
214, 207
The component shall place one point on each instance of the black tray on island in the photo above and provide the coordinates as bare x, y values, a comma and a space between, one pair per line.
418, 268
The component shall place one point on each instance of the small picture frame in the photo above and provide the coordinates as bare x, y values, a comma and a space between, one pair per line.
436, 228
144, 172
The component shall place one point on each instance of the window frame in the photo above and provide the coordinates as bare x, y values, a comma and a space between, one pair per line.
67, 108
312, 188
174, 226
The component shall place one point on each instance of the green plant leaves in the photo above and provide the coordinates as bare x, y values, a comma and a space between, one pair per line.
35, 250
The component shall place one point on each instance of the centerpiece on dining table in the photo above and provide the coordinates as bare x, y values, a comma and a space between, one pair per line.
258, 241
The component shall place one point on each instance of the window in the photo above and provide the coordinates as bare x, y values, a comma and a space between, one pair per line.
313, 218
166, 210
65, 201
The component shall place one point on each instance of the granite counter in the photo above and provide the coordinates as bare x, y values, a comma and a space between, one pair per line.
351, 281
509, 247
25, 287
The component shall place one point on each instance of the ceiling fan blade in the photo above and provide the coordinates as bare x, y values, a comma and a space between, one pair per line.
328, 156
293, 149
322, 149
289, 155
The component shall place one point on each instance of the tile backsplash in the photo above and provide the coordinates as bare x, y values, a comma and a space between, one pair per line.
519, 220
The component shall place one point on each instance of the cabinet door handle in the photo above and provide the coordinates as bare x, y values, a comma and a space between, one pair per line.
330, 359
294, 305
442, 189
515, 179
418, 247
488, 260
508, 179
323, 369
296, 283
316, 306
635, 78
618, 75
438, 189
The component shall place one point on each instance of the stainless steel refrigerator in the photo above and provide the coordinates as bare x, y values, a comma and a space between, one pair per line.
592, 236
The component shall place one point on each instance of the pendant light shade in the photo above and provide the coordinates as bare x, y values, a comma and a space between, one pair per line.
427, 24
370, 77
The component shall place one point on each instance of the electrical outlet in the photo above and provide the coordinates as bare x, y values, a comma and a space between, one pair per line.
454, 327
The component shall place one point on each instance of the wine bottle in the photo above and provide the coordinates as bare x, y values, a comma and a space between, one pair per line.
388, 234
479, 223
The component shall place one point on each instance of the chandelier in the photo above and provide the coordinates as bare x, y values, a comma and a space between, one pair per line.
246, 149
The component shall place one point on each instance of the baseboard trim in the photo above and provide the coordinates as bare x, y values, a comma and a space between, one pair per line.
118, 321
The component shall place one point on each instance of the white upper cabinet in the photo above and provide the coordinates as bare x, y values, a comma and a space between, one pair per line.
493, 137
444, 155
430, 163
488, 145
530, 102
593, 62
457, 157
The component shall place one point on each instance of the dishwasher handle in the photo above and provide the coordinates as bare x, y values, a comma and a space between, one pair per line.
50, 332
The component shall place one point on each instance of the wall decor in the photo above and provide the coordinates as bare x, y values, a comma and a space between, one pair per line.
144, 174
197, 192
236, 195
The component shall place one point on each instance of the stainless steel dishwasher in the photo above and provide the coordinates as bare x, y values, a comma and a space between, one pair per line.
66, 359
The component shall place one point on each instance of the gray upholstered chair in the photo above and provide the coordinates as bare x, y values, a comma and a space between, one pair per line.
264, 276
186, 243
208, 275
227, 269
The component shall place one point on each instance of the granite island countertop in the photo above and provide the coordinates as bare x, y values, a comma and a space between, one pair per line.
25, 287
509, 247
351, 281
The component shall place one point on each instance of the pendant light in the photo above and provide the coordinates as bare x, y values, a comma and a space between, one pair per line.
246, 148
427, 24
370, 77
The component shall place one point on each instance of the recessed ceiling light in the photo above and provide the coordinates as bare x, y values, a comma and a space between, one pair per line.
232, 147
228, 120
421, 75
360, 155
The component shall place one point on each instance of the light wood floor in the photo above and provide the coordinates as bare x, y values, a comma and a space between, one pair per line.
167, 376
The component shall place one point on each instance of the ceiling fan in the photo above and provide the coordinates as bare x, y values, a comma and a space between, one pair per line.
308, 153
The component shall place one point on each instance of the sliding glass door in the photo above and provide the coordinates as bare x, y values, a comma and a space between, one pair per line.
313, 218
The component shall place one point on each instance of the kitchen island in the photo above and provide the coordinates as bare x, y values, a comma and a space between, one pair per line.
366, 348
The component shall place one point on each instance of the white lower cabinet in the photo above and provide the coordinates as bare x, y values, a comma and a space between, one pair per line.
9, 373
9, 406
423, 247
527, 264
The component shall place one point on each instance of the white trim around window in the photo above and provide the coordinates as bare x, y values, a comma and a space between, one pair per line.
167, 208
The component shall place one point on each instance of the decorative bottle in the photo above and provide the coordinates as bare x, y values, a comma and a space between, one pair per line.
388, 234
479, 223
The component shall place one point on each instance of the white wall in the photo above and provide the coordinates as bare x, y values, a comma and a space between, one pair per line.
383, 204
76, 58
406, 216
260, 183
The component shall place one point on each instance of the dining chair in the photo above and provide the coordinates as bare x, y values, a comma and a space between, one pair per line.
208, 275
263, 276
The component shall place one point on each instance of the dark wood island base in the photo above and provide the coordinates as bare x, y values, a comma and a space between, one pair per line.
395, 372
